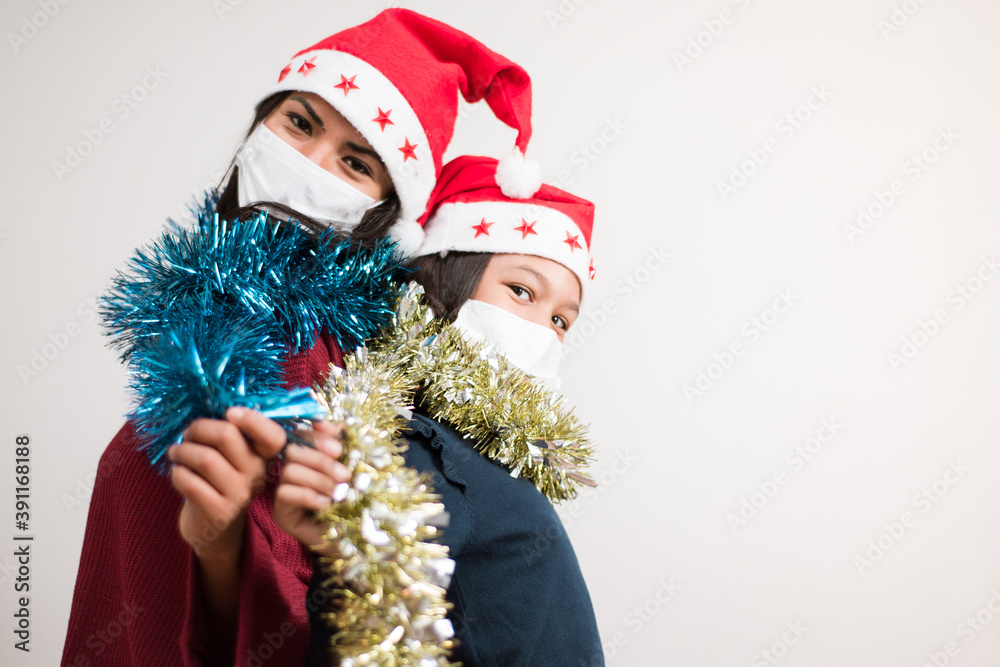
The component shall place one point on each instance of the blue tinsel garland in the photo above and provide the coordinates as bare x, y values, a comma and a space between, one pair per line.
205, 316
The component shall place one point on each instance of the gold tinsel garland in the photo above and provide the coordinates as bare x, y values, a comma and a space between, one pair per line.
389, 580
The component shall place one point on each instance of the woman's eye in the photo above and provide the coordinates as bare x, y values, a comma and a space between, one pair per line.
560, 322
520, 292
358, 166
299, 123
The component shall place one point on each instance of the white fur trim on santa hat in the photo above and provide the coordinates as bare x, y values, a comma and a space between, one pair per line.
408, 236
519, 228
518, 177
364, 95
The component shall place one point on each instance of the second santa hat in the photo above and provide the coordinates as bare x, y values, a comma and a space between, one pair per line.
469, 213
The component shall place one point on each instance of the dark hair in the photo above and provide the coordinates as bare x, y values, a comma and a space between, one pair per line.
449, 281
374, 226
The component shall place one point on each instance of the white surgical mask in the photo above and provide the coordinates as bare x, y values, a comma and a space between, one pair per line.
534, 349
272, 171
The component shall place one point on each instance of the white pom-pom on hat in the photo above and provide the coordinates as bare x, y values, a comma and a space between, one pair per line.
518, 177
408, 235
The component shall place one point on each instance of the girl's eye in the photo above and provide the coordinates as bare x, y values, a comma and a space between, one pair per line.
560, 322
299, 123
358, 165
520, 292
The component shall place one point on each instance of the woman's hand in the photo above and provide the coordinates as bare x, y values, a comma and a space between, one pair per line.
306, 486
218, 468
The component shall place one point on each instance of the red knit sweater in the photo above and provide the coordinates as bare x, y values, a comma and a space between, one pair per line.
138, 593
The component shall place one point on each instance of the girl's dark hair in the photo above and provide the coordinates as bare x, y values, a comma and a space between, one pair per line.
449, 281
374, 226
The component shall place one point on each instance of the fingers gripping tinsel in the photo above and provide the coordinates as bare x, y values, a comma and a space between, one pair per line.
387, 585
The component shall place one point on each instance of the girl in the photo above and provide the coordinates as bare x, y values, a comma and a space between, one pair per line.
351, 136
510, 272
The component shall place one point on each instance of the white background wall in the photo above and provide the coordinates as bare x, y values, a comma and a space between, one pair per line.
675, 579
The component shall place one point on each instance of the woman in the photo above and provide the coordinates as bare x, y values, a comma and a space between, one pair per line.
229, 580
512, 274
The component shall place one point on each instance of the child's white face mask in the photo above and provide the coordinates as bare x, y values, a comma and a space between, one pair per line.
272, 171
534, 349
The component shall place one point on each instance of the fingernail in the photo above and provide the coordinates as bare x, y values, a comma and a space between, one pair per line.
327, 446
170, 452
235, 412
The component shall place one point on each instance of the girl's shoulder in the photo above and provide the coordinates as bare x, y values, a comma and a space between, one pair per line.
471, 483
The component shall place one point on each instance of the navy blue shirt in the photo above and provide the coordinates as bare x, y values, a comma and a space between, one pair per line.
518, 594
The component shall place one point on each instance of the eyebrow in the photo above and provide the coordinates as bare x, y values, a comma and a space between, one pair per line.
312, 112
358, 148
537, 276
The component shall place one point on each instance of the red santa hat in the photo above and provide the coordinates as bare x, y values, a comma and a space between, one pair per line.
396, 78
470, 213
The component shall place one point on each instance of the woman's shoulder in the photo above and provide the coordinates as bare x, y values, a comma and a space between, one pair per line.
126, 464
